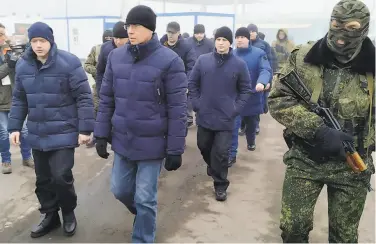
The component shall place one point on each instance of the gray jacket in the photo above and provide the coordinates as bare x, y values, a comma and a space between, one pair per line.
5, 91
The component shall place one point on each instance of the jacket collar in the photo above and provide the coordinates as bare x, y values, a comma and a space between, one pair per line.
364, 62
31, 57
141, 51
164, 41
222, 58
244, 50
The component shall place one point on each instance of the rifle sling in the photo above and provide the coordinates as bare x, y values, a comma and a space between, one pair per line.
317, 88
370, 91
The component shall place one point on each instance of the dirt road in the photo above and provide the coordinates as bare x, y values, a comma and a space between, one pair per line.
187, 210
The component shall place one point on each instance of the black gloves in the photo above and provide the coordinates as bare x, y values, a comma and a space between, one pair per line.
173, 162
101, 146
330, 142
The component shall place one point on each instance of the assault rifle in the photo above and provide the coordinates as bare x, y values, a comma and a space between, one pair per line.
297, 86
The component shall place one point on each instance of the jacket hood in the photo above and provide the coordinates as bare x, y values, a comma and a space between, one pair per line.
284, 31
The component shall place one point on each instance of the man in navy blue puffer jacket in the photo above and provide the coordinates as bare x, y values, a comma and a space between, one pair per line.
53, 91
219, 87
143, 105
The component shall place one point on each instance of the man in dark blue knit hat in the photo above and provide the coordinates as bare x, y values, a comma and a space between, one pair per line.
52, 90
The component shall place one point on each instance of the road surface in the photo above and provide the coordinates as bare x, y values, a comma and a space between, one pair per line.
187, 210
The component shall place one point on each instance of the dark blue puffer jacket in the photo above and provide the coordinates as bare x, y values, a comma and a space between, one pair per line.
263, 45
184, 50
106, 48
260, 72
219, 88
143, 102
57, 98
201, 47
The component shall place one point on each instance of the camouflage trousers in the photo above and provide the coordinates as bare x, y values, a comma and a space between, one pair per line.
304, 180
95, 99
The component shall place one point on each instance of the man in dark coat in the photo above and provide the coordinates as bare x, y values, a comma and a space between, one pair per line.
186, 52
52, 90
143, 107
219, 87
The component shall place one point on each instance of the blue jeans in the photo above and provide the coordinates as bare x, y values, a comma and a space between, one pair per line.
4, 140
250, 133
134, 183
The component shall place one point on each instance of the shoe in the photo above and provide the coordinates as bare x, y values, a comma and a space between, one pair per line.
231, 162
208, 171
257, 131
69, 223
49, 222
6, 168
251, 147
190, 124
28, 163
220, 195
241, 132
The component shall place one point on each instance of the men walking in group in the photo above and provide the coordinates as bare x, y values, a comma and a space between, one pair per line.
143, 107
184, 50
339, 71
91, 68
219, 87
120, 38
260, 73
52, 90
7, 73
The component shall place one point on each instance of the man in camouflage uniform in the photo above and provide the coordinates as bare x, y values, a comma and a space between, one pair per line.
91, 68
344, 63
92, 61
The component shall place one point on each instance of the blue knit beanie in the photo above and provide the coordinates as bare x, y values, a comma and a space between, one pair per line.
40, 29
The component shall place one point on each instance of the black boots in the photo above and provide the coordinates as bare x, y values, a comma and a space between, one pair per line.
220, 195
51, 221
69, 223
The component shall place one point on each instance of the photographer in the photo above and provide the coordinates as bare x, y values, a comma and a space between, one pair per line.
8, 61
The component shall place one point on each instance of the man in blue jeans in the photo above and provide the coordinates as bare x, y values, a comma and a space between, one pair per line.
143, 113
7, 72
260, 72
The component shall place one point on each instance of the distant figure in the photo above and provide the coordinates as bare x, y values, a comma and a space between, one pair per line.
185, 35
283, 47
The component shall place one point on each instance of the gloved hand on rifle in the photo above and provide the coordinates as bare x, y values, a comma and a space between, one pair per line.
329, 142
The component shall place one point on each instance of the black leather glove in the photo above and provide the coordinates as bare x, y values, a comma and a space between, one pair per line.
101, 146
330, 142
173, 162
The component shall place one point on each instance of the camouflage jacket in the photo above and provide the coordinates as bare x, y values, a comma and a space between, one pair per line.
283, 48
92, 61
345, 91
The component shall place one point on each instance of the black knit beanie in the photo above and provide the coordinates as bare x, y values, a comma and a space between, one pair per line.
252, 27
199, 28
142, 15
119, 31
224, 32
242, 31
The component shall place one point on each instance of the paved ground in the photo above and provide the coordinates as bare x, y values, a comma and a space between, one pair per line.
187, 209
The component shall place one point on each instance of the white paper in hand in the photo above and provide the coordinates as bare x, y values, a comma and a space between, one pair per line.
6, 81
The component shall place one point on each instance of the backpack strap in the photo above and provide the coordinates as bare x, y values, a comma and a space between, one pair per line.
317, 89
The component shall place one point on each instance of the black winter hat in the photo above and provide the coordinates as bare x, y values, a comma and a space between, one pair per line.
142, 15
252, 27
40, 29
119, 30
224, 32
261, 35
242, 31
199, 28
107, 33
